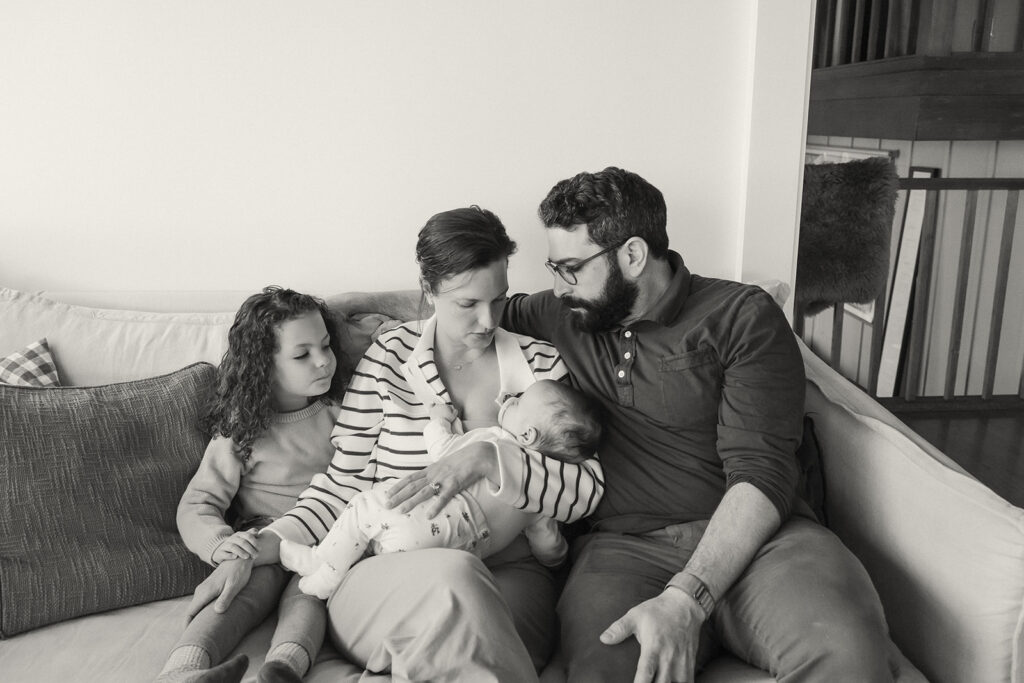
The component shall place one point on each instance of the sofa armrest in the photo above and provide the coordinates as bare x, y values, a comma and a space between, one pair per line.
944, 551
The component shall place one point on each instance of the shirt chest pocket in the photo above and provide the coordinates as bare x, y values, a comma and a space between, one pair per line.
687, 390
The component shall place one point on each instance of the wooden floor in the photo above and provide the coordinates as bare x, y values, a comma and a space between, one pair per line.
988, 445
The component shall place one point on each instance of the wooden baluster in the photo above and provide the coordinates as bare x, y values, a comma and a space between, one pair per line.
999, 298
826, 19
935, 28
980, 35
875, 34
857, 35
836, 354
960, 297
922, 290
892, 31
877, 337
841, 34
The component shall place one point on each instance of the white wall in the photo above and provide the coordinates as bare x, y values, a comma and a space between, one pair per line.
226, 145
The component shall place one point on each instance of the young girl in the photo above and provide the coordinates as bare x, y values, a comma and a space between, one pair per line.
271, 420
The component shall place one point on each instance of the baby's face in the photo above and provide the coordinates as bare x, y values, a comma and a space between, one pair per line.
532, 409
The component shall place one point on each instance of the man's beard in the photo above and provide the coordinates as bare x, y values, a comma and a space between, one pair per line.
611, 307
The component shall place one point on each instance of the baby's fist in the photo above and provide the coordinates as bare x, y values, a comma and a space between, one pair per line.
443, 411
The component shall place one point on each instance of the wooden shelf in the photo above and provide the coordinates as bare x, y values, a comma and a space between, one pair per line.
970, 96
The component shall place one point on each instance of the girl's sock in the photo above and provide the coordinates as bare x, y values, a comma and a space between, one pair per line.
182, 660
186, 671
291, 655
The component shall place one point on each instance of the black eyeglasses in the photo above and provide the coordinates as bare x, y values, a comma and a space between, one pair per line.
568, 273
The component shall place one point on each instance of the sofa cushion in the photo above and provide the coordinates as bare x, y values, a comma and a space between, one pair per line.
945, 552
90, 479
98, 346
31, 366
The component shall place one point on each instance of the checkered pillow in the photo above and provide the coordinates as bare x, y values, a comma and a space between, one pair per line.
32, 366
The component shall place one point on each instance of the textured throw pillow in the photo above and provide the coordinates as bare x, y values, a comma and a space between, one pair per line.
90, 479
33, 366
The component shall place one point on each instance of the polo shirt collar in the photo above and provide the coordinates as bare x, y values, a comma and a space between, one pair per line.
671, 303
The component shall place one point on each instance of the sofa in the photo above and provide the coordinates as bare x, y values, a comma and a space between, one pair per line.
94, 582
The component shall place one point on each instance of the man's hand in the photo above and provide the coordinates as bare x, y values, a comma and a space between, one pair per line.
668, 630
222, 585
440, 481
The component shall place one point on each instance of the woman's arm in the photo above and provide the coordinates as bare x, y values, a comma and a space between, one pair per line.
352, 468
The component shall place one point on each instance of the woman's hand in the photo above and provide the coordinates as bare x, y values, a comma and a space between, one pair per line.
227, 579
240, 545
440, 481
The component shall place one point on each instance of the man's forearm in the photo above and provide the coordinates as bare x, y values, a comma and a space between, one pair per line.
744, 521
402, 305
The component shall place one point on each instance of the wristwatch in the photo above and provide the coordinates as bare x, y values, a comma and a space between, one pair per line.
696, 589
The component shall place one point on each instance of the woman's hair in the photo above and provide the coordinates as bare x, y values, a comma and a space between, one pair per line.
240, 407
614, 204
456, 241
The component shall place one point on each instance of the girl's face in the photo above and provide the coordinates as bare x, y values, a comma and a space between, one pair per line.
469, 305
303, 363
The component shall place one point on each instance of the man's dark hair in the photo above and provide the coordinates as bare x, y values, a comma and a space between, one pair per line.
614, 204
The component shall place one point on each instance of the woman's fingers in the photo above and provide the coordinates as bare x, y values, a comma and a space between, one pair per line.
406, 487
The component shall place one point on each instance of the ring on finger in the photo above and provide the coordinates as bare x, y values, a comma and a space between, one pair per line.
436, 488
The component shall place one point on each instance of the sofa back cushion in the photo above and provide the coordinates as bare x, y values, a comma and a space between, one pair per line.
90, 479
98, 346
945, 553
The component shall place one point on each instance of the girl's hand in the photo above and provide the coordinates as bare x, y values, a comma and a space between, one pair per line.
440, 481
221, 586
241, 545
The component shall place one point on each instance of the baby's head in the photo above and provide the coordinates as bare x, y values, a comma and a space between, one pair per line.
555, 419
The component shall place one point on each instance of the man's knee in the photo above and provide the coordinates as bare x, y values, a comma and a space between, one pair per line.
851, 647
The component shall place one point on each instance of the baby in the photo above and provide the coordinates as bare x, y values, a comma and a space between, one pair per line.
549, 417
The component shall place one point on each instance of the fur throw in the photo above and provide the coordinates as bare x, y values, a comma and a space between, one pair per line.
845, 228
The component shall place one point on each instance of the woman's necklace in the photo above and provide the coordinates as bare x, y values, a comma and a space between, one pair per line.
457, 367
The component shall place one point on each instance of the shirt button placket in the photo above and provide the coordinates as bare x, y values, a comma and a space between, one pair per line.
627, 351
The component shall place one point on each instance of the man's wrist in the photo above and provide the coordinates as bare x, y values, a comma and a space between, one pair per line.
692, 586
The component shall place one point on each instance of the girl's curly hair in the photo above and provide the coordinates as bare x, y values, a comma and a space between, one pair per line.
240, 407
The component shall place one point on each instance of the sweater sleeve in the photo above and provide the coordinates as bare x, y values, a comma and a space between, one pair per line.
207, 497
533, 482
353, 466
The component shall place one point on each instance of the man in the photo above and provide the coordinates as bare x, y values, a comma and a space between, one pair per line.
693, 547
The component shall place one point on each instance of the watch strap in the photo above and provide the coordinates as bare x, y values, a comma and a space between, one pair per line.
696, 589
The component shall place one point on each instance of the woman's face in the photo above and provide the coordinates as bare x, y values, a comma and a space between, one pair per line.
469, 305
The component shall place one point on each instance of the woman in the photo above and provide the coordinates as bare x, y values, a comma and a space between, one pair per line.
442, 614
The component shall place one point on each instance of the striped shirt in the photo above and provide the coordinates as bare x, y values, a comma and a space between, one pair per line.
379, 434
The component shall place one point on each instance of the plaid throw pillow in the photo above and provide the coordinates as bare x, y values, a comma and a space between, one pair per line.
33, 366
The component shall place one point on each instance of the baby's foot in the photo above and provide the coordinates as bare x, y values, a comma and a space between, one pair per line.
321, 584
300, 559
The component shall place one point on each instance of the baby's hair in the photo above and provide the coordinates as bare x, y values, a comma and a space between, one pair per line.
240, 407
573, 430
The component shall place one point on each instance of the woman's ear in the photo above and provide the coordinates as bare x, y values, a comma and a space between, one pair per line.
528, 437
636, 253
425, 289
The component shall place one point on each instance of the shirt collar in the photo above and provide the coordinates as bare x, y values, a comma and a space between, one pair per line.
667, 308
421, 372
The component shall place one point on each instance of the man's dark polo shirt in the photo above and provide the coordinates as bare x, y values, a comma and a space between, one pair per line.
706, 391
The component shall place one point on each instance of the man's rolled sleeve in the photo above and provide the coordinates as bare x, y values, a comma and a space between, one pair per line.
762, 404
